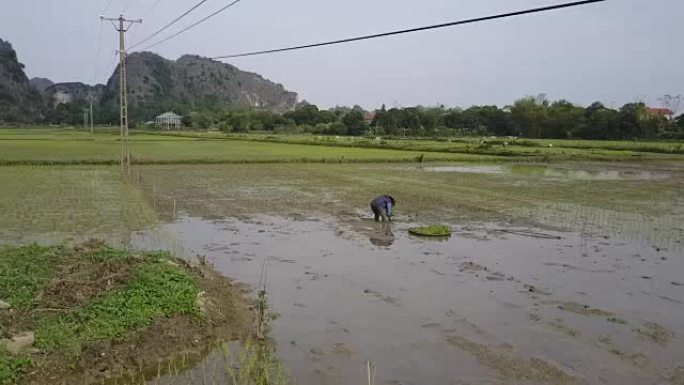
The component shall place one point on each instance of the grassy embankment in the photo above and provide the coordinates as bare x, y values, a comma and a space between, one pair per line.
94, 313
505, 148
520, 194
42, 146
55, 203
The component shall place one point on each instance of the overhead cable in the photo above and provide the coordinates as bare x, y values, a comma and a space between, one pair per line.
192, 25
169, 24
425, 28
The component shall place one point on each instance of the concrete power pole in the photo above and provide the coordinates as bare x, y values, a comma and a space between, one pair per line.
90, 99
122, 27
91, 117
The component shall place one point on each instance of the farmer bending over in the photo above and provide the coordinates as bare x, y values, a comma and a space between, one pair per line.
382, 207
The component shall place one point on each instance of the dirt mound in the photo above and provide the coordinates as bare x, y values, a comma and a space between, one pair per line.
86, 274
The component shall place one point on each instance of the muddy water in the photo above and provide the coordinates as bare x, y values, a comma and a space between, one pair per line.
489, 305
557, 173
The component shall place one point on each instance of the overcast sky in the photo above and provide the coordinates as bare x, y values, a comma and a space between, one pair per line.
617, 52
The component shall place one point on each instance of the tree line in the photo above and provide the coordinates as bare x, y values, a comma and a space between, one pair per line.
529, 117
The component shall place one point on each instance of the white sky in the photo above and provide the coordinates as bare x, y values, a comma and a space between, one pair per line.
616, 52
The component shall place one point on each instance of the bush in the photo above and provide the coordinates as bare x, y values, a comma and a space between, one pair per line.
320, 128
225, 126
337, 128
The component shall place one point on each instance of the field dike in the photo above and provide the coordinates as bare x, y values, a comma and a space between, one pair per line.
90, 313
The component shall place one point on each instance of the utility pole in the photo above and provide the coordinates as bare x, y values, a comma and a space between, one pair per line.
85, 119
90, 99
123, 26
91, 116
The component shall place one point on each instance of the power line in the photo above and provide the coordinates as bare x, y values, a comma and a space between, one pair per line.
154, 5
107, 6
170, 24
425, 28
97, 57
148, 12
192, 25
132, 31
112, 67
126, 5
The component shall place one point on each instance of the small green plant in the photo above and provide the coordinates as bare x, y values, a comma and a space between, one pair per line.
255, 364
261, 315
431, 231
617, 320
156, 290
23, 271
11, 367
202, 259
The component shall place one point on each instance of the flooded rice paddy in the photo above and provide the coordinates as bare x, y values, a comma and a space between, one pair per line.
554, 274
489, 305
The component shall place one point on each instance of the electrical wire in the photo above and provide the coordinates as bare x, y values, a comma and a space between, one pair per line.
106, 7
97, 57
126, 5
169, 24
154, 5
192, 25
425, 28
112, 65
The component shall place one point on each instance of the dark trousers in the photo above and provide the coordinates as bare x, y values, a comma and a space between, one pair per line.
380, 212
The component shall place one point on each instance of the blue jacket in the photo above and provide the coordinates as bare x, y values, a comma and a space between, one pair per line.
383, 203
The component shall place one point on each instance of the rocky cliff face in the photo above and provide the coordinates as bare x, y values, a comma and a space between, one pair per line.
79, 93
192, 82
41, 84
155, 85
19, 101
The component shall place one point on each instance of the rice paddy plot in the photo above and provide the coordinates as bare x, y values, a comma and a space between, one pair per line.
57, 203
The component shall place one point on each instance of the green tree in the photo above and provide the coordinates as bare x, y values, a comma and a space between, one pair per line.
411, 121
599, 123
326, 116
354, 123
528, 116
632, 117
67, 113
431, 118
454, 118
563, 118
308, 114
378, 123
200, 120
336, 128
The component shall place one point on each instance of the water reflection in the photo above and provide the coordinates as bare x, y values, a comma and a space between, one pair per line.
383, 236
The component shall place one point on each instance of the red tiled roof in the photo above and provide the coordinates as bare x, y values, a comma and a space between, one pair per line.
369, 116
660, 111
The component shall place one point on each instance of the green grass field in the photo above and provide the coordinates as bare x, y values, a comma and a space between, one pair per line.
51, 194
72, 200
54, 203
50, 146
553, 149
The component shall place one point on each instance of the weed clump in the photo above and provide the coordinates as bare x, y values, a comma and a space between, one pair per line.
11, 367
431, 231
95, 310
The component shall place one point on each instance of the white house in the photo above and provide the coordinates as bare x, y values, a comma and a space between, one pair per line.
168, 120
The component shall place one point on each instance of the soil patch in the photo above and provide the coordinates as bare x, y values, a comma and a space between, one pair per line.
585, 310
99, 312
654, 332
511, 367
678, 377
